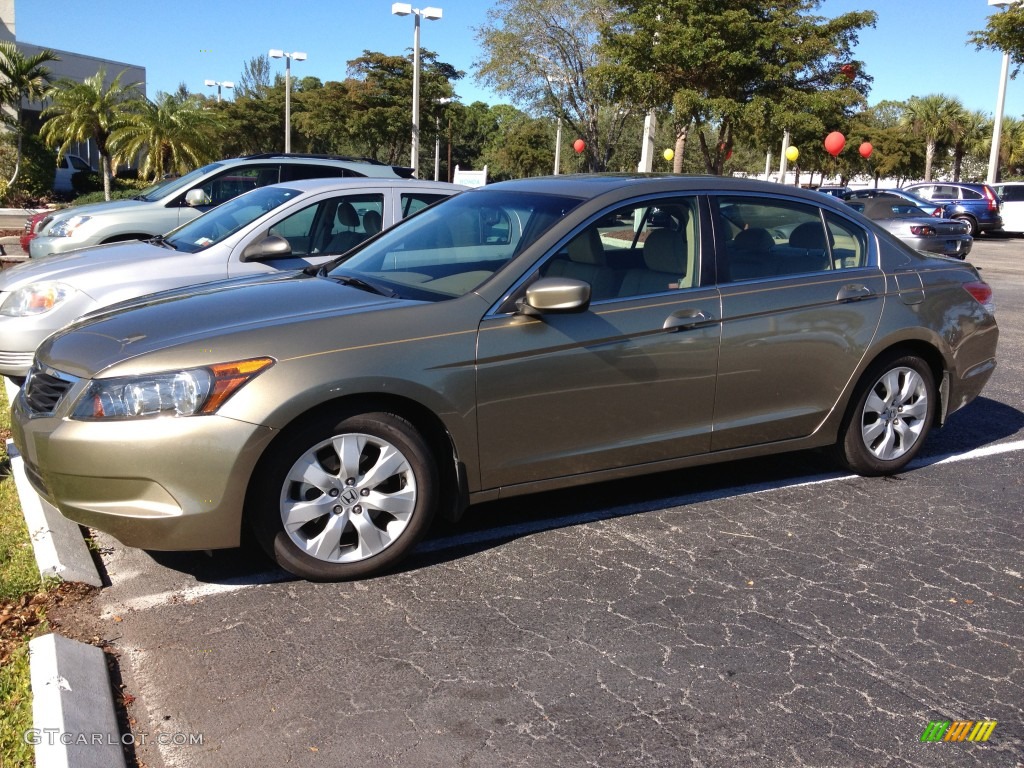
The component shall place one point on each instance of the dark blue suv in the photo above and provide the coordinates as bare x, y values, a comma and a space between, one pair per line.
974, 204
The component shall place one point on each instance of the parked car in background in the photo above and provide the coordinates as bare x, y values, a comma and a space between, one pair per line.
915, 227
279, 227
974, 204
835, 191
68, 166
172, 202
32, 226
930, 208
1011, 205
522, 336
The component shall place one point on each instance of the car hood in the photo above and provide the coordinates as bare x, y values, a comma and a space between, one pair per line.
94, 208
85, 261
197, 313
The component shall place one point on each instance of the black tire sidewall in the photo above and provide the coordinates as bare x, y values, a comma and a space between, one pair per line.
852, 452
265, 492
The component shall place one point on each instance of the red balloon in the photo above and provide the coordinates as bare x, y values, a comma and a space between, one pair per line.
849, 70
579, 145
834, 143
866, 149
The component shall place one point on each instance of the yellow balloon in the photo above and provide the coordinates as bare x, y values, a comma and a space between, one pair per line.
668, 154
792, 154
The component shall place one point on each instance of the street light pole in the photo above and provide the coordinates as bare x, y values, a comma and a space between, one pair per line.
225, 83
405, 9
277, 53
437, 138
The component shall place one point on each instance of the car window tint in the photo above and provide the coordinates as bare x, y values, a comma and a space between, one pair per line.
417, 201
299, 171
849, 242
771, 238
343, 222
79, 164
297, 229
945, 192
1012, 193
235, 181
970, 194
648, 248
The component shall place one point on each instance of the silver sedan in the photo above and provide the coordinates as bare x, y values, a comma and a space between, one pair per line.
912, 225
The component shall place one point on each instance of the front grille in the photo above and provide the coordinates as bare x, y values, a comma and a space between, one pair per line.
44, 389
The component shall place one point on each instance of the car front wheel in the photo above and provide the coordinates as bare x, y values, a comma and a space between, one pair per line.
344, 500
892, 412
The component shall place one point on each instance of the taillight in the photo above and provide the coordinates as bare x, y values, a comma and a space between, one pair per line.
982, 293
993, 201
925, 230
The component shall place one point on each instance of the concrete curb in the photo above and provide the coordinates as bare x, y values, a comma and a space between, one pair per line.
72, 706
73, 715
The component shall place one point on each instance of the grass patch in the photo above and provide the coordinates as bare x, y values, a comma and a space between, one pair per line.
21, 612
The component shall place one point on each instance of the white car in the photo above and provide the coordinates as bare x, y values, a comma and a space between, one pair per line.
277, 227
1011, 204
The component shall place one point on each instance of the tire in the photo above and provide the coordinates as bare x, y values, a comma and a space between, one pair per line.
892, 411
346, 500
972, 225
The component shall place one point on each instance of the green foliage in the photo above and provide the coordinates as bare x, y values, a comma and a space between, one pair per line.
172, 135
16, 693
746, 68
1004, 32
38, 166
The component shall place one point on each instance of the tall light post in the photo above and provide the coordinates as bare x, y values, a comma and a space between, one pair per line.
219, 84
437, 137
276, 53
405, 9
997, 127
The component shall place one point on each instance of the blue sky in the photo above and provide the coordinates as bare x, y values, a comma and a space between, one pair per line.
918, 47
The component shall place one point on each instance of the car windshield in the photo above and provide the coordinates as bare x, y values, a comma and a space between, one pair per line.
452, 247
224, 220
167, 187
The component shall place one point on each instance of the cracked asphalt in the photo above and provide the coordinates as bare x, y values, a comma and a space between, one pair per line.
760, 613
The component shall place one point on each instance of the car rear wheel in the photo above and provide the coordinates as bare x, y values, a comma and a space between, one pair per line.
344, 500
892, 411
972, 225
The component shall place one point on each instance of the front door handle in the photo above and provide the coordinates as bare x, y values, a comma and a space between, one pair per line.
682, 319
854, 292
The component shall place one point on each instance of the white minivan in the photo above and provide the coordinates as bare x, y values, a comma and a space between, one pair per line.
67, 167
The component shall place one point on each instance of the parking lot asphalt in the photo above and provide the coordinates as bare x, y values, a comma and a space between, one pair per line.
761, 613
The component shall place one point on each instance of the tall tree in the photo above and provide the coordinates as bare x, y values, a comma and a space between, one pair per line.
971, 131
255, 79
932, 118
745, 65
1004, 32
173, 134
543, 54
22, 78
89, 110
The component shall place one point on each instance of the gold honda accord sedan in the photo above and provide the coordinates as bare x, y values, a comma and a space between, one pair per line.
519, 337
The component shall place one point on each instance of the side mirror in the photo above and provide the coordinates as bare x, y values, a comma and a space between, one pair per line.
555, 295
197, 197
267, 249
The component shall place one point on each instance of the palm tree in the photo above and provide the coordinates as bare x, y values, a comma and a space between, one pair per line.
933, 118
21, 78
90, 110
174, 134
970, 132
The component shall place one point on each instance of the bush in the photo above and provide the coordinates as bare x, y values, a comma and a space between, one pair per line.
38, 166
84, 182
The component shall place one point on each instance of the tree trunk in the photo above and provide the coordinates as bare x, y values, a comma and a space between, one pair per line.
929, 155
105, 168
680, 150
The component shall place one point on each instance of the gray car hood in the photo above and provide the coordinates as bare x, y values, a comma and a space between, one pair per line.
91, 208
160, 321
85, 267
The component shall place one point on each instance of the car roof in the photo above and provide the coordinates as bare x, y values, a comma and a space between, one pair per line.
356, 182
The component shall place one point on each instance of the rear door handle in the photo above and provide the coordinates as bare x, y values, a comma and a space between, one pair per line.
854, 292
682, 319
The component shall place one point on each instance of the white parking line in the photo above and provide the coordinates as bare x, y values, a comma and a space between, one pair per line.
196, 593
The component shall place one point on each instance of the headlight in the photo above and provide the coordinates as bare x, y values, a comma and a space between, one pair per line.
193, 392
35, 299
67, 227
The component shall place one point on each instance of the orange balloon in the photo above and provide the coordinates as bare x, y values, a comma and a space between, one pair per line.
579, 145
866, 149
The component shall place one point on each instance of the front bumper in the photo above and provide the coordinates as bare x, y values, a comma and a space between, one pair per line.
43, 245
162, 484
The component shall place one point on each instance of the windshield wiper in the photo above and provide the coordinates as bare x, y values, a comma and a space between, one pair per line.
159, 240
358, 282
